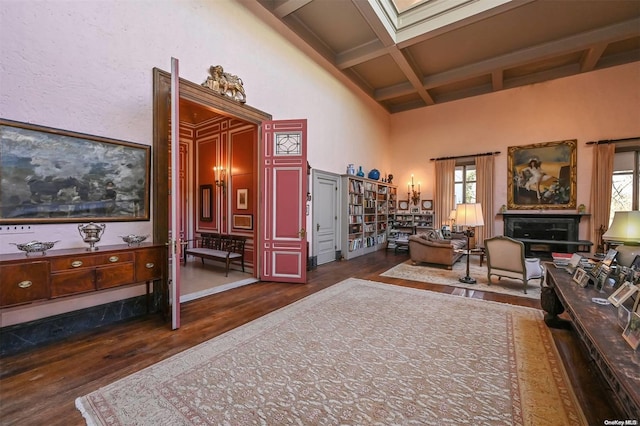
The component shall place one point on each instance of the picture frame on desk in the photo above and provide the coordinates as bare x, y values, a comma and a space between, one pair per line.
624, 315
608, 258
632, 332
581, 277
625, 291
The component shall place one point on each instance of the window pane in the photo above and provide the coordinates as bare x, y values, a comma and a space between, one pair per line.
459, 172
459, 193
471, 174
471, 192
621, 193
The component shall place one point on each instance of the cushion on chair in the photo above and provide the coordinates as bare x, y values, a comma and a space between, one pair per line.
533, 267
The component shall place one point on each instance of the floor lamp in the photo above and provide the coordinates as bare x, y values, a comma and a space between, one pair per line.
469, 216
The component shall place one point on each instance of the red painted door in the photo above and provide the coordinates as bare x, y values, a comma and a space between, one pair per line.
283, 200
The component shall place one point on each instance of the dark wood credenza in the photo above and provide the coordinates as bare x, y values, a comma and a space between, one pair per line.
597, 326
67, 272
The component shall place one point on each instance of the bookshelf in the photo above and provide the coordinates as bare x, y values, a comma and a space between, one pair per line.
367, 205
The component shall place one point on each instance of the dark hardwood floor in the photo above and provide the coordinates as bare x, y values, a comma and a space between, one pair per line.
39, 387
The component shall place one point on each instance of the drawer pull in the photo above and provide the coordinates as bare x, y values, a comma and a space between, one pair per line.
25, 284
114, 259
149, 265
76, 263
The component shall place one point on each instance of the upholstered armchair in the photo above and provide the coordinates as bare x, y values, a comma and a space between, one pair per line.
505, 258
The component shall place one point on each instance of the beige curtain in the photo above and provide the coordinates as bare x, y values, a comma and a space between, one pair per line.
484, 195
601, 181
445, 191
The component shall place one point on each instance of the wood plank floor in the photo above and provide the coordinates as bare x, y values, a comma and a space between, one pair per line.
39, 387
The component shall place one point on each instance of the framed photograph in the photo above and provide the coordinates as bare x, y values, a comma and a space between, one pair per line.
427, 204
602, 277
415, 210
632, 333
624, 315
243, 221
581, 277
608, 258
635, 265
51, 176
625, 291
206, 203
403, 205
542, 176
242, 202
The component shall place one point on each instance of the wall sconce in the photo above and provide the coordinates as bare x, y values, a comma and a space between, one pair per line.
220, 174
412, 194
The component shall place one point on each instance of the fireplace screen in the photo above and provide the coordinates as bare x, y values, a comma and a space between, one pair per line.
542, 176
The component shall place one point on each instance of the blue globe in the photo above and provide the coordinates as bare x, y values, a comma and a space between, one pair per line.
374, 174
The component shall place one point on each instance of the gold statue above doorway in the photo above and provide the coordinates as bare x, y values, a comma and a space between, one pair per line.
225, 84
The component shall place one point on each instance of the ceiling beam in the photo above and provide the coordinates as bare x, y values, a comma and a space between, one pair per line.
571, 44
365, 52
592, 56
388, 41
497, 80
288, 7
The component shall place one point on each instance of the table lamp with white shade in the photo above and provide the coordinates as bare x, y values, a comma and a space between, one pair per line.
469, 216
625, 229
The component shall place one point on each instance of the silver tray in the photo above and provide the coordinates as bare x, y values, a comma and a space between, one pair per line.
132, 239
35, 246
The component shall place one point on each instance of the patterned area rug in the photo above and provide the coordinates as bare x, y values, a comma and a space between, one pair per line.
360, 353
435, 275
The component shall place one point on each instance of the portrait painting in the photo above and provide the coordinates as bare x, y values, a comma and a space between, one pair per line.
542, 176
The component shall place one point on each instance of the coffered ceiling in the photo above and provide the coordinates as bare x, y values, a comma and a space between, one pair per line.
409, 54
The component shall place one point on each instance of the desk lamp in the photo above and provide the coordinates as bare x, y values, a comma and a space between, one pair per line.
625, 229
469, 216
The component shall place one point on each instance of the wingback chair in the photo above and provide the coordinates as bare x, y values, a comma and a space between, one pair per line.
505, 258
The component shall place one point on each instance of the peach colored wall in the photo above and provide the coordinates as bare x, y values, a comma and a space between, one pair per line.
599, 105
87, 67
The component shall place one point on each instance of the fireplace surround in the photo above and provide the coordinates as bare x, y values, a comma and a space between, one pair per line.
544, 233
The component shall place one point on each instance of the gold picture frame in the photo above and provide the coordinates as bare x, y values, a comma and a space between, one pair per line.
542, 176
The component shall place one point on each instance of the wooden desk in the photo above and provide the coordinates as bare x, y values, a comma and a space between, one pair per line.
598, 328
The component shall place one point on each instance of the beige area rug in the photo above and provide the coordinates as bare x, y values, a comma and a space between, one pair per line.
434, 275
357, 353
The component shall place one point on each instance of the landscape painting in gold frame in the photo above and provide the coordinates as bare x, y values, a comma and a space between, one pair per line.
542, 176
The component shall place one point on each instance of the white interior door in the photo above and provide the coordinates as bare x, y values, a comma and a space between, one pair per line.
325, 216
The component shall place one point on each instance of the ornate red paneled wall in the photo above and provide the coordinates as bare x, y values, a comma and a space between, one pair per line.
232, 144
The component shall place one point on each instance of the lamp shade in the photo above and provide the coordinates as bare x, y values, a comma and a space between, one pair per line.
625, 228
469, 215
452, 215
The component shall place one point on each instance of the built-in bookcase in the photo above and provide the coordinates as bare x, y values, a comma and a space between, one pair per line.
367, 204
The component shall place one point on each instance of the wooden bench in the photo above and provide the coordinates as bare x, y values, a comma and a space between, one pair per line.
224, 248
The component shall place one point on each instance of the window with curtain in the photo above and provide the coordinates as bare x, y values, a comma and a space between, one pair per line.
465, 183
625, 187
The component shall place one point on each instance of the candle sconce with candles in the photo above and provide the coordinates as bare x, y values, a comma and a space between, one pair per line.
220, 176
412, 194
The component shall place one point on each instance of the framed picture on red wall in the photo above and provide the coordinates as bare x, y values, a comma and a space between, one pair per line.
242, 202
